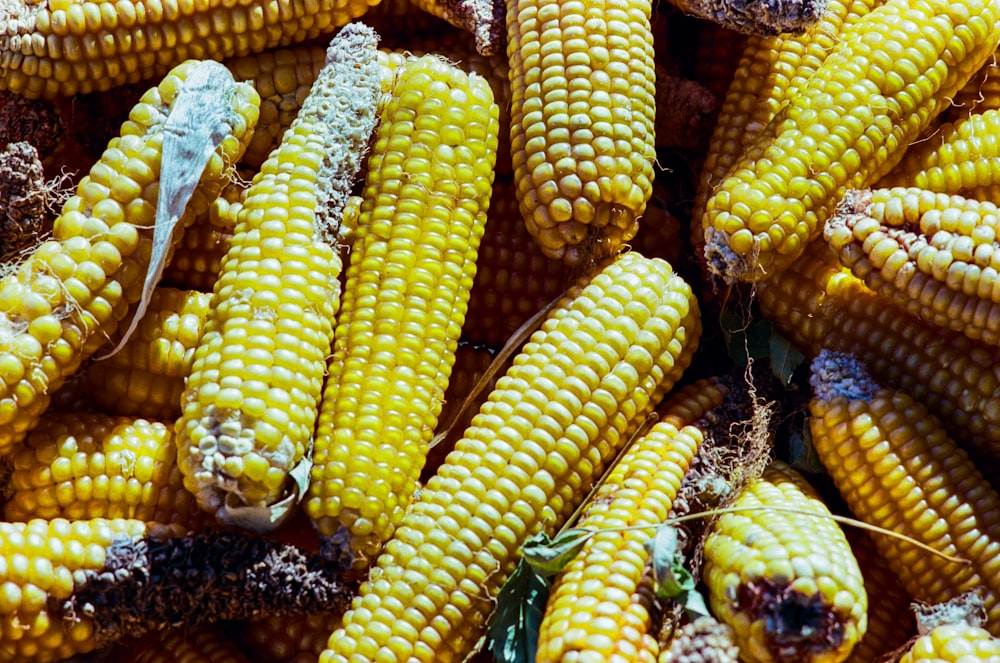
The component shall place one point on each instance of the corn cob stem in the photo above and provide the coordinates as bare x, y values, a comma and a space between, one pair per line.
932, 255
64, 300
412, 266
896, 468
888, 84
594, 370
251, 401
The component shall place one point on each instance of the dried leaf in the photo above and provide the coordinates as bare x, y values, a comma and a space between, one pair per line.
512, 635
549, 557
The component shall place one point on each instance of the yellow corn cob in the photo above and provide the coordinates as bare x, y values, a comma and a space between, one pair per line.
283, 78
596, 367
38, 561
68, 296
197, 258
288, 639
65, 47
412, 265
786, 582
146, 377
896, 468
250, 403
83, 465
816, 303
980, 94
770, 72
599, 607
930, 254
961, 158
876, 91
200, 644
582, 116
719, 53
954, 643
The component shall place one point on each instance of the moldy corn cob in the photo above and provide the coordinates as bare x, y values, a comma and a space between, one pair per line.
68, 296
875, 93
582, 121
64, 47
584, 381
251, 400
600, 607
932, 255
413, 261
897, 468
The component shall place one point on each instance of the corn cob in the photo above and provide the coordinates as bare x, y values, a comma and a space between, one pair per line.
786, 582
484, 19
954, 643
582, 121
63, 301
704, 640
596, 367
896, 468
929, 254
41, 560
876, 91
83, 465
200, 644
817, 304
757, 18
599, 607
514, 279
63, 48
146, 377
250, 403
412, 266
980, 94
961, 158
719, 53
288, 639
197, 259
770, 72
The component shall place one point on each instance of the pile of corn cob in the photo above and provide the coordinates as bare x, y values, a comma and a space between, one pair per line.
383, 339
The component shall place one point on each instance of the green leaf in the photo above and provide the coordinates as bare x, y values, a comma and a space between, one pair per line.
549, 557
784, 357
694, 605
745, 340
671, 578
512, 634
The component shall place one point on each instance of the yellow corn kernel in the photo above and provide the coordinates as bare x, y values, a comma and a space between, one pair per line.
199, 644
290, 638
817, 303
250, 403
82, 466
49, 50
146, 377
412, 266
585, 379
197, 258
980, 94
875, 93
600, 606
786, 582
896, 467
954, 643
582, 121
68, 296
932, 255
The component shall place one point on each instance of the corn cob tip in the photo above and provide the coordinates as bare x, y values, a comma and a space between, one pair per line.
838, 230
727, 263
841, 374
966, 608
484, 19
766, 19
704, 640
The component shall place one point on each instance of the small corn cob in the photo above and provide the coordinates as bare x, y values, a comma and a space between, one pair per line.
932, 255
412, 266
288, 639
39, 562
896, 468
283, 78
786, 582
954, 643
146, 377
816, 303
704, 640
980, 94
770, 72
65, 47
593, 371
582, 121
83, 465
251, 400
63, 301
961, 158
514, 279
200, 644
875, 93
600, 607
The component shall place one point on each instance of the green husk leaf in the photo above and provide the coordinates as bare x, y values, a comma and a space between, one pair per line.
549, 557
785, 358
512, 634
672, 579
694, 605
